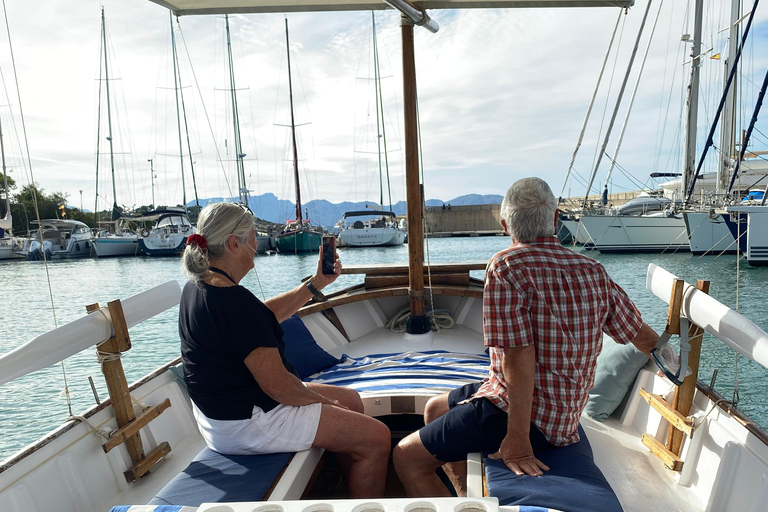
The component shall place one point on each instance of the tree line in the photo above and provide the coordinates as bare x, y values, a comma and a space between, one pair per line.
54, 206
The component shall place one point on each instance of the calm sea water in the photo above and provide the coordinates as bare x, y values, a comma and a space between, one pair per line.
35, 404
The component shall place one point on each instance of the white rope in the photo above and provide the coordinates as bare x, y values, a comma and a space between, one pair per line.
102, 434
439, 319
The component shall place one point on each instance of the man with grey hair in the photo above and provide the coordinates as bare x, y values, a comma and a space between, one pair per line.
545, 309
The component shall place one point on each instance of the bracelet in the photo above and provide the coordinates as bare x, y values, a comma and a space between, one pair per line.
318, 295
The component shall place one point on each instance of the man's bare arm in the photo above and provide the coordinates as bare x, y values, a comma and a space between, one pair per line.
515, 450
645, 339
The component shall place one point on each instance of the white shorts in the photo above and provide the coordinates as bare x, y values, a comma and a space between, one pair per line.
283, 429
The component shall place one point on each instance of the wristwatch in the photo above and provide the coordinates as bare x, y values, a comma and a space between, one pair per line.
317, 293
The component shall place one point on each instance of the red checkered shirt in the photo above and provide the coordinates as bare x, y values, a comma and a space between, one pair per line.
545, 295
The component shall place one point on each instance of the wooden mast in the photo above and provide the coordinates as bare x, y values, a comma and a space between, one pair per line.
418, 323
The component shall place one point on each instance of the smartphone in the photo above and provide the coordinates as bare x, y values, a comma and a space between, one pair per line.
329, 254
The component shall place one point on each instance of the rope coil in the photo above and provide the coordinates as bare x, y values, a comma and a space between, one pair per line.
439, 319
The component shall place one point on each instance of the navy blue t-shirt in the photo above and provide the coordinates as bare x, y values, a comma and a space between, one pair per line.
219, 327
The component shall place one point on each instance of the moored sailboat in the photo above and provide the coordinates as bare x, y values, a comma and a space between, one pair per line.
379, 227
118, 239
298, 235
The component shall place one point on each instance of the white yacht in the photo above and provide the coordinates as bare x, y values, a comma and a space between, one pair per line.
116, 240
168, 234
56, 239
372, 228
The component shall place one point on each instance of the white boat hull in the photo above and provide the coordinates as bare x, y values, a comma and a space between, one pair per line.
577, 231
708, 233
372, 237
110, 245
636, 234
9, 248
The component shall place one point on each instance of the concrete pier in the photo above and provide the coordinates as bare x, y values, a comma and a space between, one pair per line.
474, 220
483, 219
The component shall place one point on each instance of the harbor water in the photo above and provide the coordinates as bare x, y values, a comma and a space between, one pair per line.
35, 404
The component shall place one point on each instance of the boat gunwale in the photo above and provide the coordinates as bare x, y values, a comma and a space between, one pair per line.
72, 423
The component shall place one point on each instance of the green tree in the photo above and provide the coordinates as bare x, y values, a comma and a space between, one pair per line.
50, 206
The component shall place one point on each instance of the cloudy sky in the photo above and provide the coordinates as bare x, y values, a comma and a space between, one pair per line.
502, 95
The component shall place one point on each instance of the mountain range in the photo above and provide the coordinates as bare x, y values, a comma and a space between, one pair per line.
324, 213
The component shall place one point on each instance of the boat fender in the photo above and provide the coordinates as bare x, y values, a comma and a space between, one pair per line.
77, 246
144, 232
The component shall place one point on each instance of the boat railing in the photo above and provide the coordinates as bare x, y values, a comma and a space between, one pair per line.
90, 330
727, 325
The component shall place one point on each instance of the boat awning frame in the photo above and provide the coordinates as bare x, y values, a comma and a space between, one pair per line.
200, 7
373, 213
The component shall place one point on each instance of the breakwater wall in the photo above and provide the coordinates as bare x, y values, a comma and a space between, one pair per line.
483, 219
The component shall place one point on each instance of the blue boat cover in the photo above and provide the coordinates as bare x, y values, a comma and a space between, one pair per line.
212, 477
420, 373
573, 483
150, 508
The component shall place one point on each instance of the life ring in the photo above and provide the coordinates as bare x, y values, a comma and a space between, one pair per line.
144, 232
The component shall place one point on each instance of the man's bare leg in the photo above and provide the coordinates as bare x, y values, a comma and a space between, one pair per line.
456, 471
416, 467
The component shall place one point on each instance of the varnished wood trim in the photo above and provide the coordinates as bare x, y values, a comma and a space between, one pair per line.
386, 268
735, 413
475, 290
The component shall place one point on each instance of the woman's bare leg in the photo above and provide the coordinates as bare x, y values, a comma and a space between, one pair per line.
361, 443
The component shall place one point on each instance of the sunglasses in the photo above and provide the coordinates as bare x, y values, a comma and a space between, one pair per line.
246, 211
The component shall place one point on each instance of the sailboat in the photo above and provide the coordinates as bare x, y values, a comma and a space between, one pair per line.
262, 238
719, 462
118, 240
663, 230
298, 235
171, 226
379, 227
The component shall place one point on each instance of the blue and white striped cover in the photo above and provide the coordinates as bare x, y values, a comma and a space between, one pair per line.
152, 508
406, 374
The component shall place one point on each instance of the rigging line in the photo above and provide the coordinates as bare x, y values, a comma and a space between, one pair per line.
205, 110
618, 102
634, 95
752, 122
608, 92
731, 75
660, 134
591, 103
177, 73
34, 194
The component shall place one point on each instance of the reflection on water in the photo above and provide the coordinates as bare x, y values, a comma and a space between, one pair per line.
33, 405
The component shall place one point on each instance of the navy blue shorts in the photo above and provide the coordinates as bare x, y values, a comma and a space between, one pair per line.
477, 426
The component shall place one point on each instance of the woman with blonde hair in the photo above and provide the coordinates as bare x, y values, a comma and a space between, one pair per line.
246, 396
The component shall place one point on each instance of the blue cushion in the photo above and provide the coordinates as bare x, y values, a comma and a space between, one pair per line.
617, 367
302, 351
213, 477
573, 483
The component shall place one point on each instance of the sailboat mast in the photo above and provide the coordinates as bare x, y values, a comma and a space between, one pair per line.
293, 130
109, 111
418, 323
180, 101
729, 109
378, 121
380, 108
178, 113
242, 189
692, 100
